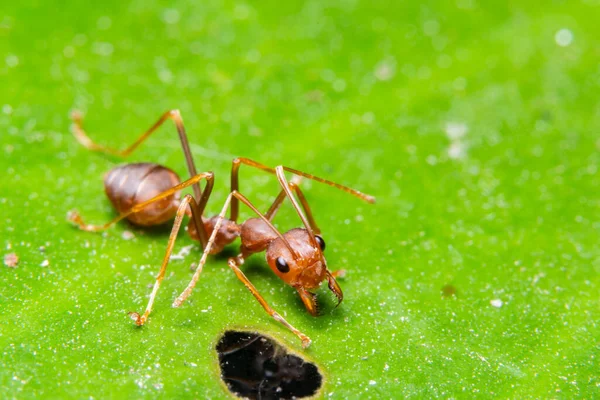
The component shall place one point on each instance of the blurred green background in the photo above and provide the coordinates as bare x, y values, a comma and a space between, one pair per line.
474, 123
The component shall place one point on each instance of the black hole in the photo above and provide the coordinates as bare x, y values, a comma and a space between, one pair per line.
256, 367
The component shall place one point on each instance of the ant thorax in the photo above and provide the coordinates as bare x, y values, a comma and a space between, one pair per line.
256, 236
305, 269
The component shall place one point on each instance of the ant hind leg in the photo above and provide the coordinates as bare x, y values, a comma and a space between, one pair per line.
173, 115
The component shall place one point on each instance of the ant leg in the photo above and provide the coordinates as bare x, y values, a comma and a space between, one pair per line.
294, 185
235, 186
275, 206
310, 301
309, 215
188, 290
286, 187
234, 265
74, 216
270, 214
140, 320
198, 209
174, 115
246, 161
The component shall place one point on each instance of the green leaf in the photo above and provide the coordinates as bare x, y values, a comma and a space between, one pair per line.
475, 125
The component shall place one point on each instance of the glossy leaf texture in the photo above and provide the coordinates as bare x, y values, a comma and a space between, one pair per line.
475, 125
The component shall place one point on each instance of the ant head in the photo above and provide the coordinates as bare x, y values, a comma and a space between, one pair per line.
301, 264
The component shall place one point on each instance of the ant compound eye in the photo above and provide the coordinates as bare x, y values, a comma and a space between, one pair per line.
282, 265
321, 242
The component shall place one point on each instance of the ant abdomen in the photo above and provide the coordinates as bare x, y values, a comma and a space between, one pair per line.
131, 184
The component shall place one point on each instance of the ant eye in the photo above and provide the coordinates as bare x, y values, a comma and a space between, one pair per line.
282, 265
321, 242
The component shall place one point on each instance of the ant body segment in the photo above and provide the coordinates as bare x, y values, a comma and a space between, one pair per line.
139, 194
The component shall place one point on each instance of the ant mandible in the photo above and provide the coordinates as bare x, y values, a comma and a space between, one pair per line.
295, 256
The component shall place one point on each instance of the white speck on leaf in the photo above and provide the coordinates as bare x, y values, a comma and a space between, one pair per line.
171, 16
127, 235
385, 70
497, 303
456, 130
165, 75
456, 151
11, 60
563, 37
182, 253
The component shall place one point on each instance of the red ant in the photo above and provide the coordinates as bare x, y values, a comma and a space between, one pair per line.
148, 194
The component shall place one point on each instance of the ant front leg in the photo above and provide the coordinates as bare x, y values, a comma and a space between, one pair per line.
234, 264
173, 115
140, 320
309, 300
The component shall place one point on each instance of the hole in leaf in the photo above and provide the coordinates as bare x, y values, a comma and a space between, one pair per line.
254, 366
